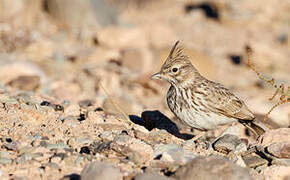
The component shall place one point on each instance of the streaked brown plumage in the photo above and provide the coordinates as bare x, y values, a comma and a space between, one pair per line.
199, 102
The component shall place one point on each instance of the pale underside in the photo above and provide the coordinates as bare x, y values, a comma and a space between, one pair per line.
206, 108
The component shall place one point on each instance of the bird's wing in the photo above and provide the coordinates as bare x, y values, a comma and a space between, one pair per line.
221, 100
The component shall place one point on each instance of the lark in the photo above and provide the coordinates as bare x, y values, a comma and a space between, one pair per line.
198, 102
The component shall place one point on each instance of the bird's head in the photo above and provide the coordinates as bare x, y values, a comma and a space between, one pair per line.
177, 68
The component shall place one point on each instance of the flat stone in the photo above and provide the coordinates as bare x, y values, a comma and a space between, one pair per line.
227, 143
254, 161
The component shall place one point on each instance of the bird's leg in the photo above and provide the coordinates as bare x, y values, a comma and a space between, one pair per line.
198, 135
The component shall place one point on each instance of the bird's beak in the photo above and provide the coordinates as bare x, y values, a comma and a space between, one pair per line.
156, 76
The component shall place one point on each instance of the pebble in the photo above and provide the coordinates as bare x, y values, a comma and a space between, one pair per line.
86, 103
4, 154
60, 145
72, 110
142, 152
100, 171
98, 147
70, 121
4, 160
24, 157
79, 160
56, 159
123, 139
280, 162
28, 83
228, 143
173, 153
82, 141
107, 135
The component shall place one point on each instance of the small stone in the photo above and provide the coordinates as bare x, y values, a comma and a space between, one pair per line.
4, 154
97, 147
151, 176
86, 103
12, 146
160, 149
72, 110
280, 150
52, 165
239, 161
100, 171
143, 150
79, 160
254, 161
4, 160
212, 168
29, 83
123, 139
227, 143
71, 121
58, 107
45, 103
56, 159
38, 156
173, 153
82, 141
107, 135
24, 157
59, 145
281, 162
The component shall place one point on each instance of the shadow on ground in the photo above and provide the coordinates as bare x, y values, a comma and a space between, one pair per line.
72, 177
156, 119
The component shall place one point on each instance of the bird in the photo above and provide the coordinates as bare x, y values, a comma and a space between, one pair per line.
200, 103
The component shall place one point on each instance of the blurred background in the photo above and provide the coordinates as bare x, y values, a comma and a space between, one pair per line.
66, 49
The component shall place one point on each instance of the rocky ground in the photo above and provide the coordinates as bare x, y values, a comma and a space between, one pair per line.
77, 101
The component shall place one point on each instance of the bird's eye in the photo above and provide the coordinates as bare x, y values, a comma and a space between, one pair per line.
174, 69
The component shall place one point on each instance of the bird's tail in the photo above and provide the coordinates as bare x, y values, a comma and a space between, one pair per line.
256, 127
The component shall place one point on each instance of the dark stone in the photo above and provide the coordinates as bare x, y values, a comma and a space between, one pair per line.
45, 103
82, 117
210, 9
236, 59
85, 150
58, 107
86, 103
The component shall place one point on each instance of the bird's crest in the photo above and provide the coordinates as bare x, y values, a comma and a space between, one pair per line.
176, 54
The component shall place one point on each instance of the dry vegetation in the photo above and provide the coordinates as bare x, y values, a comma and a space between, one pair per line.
280, 89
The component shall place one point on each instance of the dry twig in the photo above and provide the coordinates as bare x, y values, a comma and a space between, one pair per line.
280, 88
118, 108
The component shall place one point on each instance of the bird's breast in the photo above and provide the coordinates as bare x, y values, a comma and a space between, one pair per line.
192, 112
